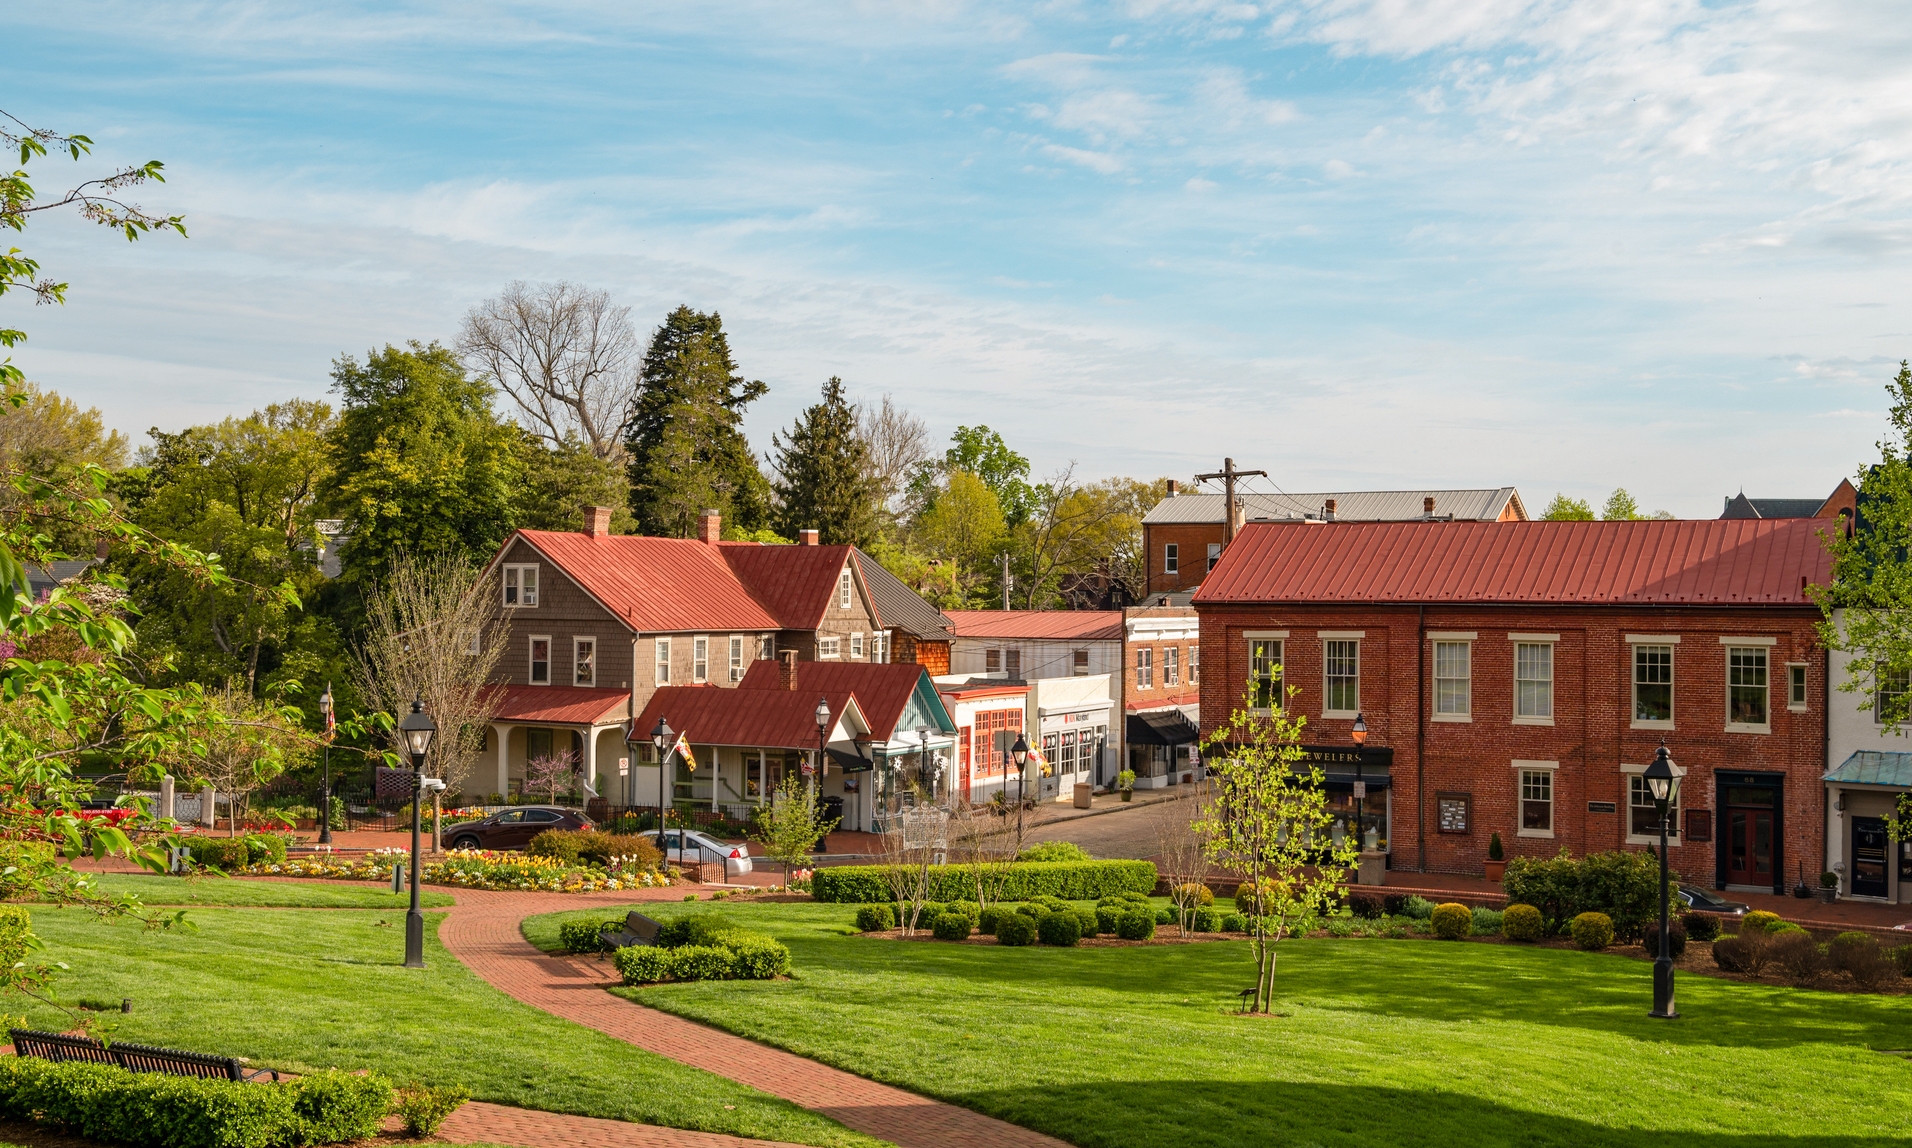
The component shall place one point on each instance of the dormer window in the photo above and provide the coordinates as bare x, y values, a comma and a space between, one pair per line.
846, 587
521, 585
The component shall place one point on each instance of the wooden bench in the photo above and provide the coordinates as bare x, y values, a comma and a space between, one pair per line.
133, 1057
638, 930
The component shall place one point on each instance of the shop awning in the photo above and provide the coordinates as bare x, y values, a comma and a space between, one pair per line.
1162, 727
1874, 767
850, 762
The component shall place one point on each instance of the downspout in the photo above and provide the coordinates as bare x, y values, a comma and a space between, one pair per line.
1420, 732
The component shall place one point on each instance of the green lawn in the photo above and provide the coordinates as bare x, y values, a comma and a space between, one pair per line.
207, 890
300, 990
1383, 1042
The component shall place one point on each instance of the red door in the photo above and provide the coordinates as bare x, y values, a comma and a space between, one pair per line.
1749, 846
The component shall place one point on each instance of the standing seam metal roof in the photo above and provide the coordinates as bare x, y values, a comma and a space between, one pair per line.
1350, 506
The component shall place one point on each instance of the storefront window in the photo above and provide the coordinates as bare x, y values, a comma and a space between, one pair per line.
1373, 820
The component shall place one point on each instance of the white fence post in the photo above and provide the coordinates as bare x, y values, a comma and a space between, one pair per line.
208, 810
165, 810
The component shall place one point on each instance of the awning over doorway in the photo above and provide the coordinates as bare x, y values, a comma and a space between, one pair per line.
1874, 767
1162, 727
850, 762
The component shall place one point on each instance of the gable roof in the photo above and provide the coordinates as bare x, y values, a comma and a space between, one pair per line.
654, 584
899, 606
883, 690
1084, 625
1485, 505
1740, 506
794, 583
1691, 562
766, 719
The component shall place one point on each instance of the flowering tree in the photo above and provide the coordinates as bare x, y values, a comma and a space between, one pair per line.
1270, 825
550, 773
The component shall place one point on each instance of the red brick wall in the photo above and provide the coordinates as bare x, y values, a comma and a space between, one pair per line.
1192, 560
1590, 737
1162, 695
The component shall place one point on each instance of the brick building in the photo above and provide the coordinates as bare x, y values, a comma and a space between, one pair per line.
1183, 535
1517, 679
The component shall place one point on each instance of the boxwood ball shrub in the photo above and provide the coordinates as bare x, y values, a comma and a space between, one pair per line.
1106, 916
986, 920
424, 1109
969, 909
950, 927
1016, 929
1592, 931
1250, 895
1071, 880
1055, 851
1848, 947
1136, 926
1452, 921
1522, 923
1165, 916
1194, 893
1059, 929
1758, 921
1206, 920
875, 918
1032, 910
1086, 921
757, 957
1701, 926
1675, 940
1237, 923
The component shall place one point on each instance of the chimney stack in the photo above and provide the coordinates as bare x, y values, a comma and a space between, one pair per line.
787, 671
710, 527
1427, 506
1174, 488
1329, 512
806, 538
597, 521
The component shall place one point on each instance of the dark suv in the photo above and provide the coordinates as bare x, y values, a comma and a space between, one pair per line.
512, 828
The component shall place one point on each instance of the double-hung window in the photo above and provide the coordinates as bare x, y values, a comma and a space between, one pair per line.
700, 659
521, 585
856, 646
540, 674
1796, 686
992, 661
584, 661
1747, 702
663, 661
1172, 666
1341, 671
1194, 665
1171, 558
829, 648
1453, 679
1536, 802
736, 658
1643, 816
1533, 682
1889, 700
846, 588
1264, 673
1079, 663
1012, 663
767, 648
1652, 684
1145, 669
1214, 554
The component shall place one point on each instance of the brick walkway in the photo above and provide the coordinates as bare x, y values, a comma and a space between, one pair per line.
483, 932
481, 1123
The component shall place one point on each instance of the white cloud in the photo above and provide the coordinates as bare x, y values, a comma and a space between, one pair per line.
1093, 160
1199, 185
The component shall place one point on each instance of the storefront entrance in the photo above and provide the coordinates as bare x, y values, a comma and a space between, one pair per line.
1751, 856
1871, 849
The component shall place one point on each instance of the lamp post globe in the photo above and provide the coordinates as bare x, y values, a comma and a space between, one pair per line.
416, 730
1360, 730
664, 738
1663, 783
325, 786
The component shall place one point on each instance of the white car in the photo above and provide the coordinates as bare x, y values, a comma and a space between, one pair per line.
687, 845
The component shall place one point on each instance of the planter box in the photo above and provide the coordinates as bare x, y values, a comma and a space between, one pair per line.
1495, 870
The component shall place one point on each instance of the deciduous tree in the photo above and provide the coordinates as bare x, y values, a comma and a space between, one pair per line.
791, 825
1564, 509
565, 354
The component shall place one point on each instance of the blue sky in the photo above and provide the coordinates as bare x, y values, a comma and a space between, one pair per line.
1356, 243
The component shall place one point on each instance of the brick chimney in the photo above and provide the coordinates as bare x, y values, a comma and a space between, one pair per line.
806, 538
1427, 506
1329, 513
710, 527
597, 521
787, 672
1174, 488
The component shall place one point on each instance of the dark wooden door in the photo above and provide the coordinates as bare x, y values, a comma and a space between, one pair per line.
1869, 853
1749, 845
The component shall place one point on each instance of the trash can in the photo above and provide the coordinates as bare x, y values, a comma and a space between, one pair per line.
1082, 791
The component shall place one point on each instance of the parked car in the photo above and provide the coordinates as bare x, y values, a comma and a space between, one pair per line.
1706, 901
683, 846
513, 828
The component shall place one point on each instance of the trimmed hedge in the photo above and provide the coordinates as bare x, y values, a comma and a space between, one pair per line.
1070, 880
585, 936
736, 956
1059, 929
234, 853
1592, 931
1136, 926
1016, 929
107, 1103
1701, 926
875, 918
950, 927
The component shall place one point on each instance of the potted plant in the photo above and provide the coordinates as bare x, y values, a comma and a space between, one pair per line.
1125, 784
1828, 887
1496, 859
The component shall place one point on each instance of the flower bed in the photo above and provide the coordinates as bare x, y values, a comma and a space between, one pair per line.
470, 869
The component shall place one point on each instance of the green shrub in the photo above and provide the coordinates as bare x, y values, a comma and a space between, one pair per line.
1902, 956
1251, 896
705, 929
562, 844
1053, 904
1165, 916
1800, 958
335, 1107
1487, 922
1086, 921
1783, 928
227, 853
1592, 931
1522, 923
1701, 926
1016, 929
1072, 880
968, 909
1032, 910
643, 965
264, 849
1758, 921
424, 1109
1136, 926
1494, 850
583, 936
1055, 851
1206, 920
1623, 886
950, 927
1366, 906
702, 963
1128, 897
16, 934
757, 957
1341, 926
1675, 940
986, 920
875, 918
1193, 893
1848, 947
1106, 916
1060, 929
926, 915
1419, 908
1452, 921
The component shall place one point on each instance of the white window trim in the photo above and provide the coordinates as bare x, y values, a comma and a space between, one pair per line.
1806, 705
1746, 640
1465, 638
1626, 803
832, 651
1653, 639
519, 568
1633, 669
695, 677
1171, 558
1533, 637
1145, 660
661, 655
846, 589
736, 657
1727, 677
529, 661
856, 646
1553, 792
576, 644
1553, 679
1325, 637
1278, 634
1252, 636
1452, 636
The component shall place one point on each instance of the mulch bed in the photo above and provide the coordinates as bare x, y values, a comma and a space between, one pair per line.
1164, 935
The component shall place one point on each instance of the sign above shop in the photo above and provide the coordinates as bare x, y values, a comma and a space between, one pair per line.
1343, 758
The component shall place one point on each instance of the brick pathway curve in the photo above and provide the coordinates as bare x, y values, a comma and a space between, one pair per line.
480, 1123
483, 932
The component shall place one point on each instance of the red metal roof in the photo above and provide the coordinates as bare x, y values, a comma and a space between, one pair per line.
1700, 562
795, 583
882, 690
657, 584
1035, 624
768, 719
565, 705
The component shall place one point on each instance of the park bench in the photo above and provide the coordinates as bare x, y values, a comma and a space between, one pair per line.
133, 1057
638, 930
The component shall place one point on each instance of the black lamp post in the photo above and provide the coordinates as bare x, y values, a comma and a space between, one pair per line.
1360, 735
1020, 754
1664, 786
325, 787
664, 738
823, 740
417, 730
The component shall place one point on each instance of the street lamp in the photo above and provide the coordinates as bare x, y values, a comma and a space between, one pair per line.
325, 787
1020, 754
823, 740
665, 739
417, 730
1664, 785
1360, 734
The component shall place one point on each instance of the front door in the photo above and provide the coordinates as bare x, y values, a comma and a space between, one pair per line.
1749, 838
1869, 853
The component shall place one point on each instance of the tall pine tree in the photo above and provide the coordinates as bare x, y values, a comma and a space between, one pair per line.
824, 476
684, 434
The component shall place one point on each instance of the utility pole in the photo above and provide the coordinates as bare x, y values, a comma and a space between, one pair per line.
1228, 474
1006, 583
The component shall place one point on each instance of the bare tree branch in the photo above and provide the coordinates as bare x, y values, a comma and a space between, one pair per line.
564, 353
898, 446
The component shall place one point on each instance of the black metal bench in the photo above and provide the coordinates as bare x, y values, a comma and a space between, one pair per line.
133, 1057
638, 930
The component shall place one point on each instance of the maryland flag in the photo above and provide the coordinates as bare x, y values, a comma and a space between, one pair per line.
683, 747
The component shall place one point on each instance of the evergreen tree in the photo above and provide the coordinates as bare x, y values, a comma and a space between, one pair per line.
684, 432
419, 460
825, 480
559, 482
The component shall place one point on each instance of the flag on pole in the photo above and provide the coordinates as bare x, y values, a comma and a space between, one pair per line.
1042, 763
683, 747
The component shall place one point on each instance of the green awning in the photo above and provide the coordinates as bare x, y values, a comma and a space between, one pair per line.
1874, 767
